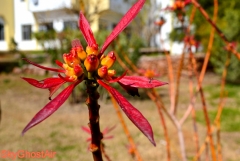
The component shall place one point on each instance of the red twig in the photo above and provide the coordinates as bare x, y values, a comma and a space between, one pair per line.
181, 61
209, 130
210, 43
122, 64
153, 96
129, 62
196, 138
171, 82
220, 107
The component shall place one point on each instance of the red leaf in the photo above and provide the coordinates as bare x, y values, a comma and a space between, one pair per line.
89, 139
133, 91
67, 79
107, 137
86, 129
86, 30
140, 82
52, 90
117, 78
132, 113
51, 107
46, 83
60, 64
42, 67
127, 18
107, 130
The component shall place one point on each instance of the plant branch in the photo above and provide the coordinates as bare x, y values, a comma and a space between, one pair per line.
93, 107
193, 64
220, 107
220, 33
210, 43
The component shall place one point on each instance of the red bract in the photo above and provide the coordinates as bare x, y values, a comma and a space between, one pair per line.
132, 113
140, 82
127, 18
50, 108
94, 67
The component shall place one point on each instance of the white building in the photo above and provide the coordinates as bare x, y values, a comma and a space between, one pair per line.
29, 16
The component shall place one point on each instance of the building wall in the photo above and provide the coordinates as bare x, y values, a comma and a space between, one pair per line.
6, 13
17, 13
22, 16
110, 11
45, 5
103, 5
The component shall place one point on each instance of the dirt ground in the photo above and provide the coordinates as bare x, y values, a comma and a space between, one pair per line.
61, 132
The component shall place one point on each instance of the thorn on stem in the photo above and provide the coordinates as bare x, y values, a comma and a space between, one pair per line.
93, 148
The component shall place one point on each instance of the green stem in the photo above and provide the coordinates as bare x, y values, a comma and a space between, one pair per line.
93, 107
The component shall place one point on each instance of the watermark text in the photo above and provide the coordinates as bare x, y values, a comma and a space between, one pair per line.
7, 154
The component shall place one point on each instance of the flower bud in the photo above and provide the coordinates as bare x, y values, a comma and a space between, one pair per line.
111, 73
109, 60
69, 72
71, 58
149, 73
78, 70
103, 71
91, 63
92, 50
81, 53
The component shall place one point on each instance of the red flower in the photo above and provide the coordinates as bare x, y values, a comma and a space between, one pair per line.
149, 73
191, 41
94, 65
178, 5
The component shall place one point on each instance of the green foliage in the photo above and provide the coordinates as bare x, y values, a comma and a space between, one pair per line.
228, 21
230, 119
177, 34
55, 44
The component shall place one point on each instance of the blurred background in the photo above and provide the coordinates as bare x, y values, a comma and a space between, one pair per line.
42, 30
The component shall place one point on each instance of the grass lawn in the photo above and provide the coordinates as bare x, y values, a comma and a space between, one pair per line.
62, 132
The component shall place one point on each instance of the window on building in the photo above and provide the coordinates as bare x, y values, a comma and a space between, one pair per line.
46, 26
70, 25
114, 25
26, 32
35, 2
1, 29
103, 24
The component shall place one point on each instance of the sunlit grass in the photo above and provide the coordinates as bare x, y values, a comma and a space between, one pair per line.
62, 131
230, 119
